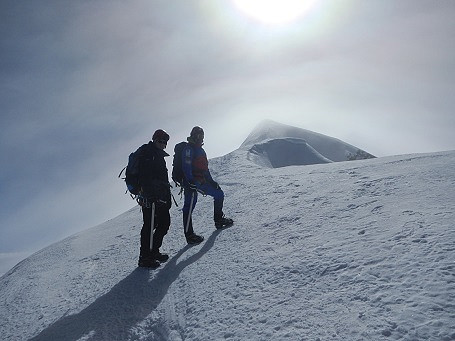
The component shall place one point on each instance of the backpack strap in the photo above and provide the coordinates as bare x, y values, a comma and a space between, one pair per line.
122, 172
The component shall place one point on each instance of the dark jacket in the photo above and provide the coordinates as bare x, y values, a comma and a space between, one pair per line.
153, 174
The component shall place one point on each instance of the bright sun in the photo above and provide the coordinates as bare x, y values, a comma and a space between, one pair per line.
274, 11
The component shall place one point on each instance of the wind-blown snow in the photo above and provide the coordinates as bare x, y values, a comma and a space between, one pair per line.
360, 250
316, 148
285, 152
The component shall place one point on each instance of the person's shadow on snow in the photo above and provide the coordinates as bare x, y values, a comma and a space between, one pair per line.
113, 315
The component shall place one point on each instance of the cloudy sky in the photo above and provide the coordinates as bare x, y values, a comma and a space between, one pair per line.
83, 83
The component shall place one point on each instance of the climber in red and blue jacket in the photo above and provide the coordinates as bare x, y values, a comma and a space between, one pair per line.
197, 178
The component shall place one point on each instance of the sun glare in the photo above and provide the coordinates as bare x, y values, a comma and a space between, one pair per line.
274, 12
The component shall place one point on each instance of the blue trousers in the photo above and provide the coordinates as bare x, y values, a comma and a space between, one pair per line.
191, 195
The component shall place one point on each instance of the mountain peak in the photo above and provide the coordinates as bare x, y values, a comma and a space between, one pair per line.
277, 145
269, 129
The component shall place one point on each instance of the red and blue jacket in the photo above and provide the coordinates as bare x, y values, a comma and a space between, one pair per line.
195, 164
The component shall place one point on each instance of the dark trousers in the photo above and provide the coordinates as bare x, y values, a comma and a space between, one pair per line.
162, 223
207, 189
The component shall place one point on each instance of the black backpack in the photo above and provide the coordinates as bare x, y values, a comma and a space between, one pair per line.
177, 167
132, 172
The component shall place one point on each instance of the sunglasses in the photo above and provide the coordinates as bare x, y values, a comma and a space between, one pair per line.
162, 141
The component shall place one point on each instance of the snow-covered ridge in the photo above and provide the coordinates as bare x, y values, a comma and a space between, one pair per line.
277, 145
286, 152
360, 250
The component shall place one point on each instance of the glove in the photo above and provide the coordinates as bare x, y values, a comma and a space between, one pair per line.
144, 201
215, 185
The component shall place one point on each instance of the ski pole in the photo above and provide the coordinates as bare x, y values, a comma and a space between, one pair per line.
152, 226
189, 213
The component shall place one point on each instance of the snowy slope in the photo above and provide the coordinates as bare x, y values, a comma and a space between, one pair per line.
360, 250
270, 139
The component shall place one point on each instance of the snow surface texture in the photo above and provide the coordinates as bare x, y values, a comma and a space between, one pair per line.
360, 250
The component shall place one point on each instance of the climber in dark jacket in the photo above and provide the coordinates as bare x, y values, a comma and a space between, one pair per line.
155, 198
